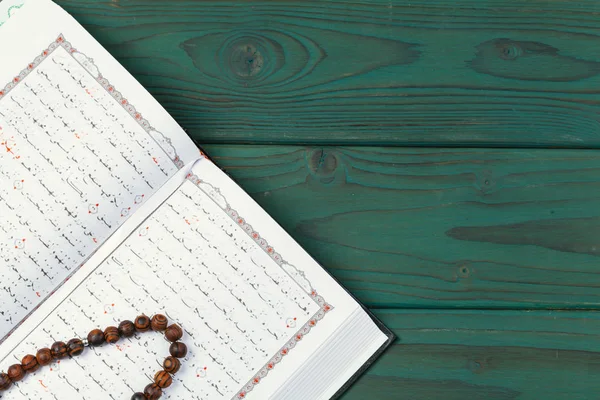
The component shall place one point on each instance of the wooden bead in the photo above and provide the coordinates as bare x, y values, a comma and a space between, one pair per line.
142, 323
163, 379
44, 356
159, 323
126, 329
174, 333
75, 347
95, 337
171, 365
178, 349
5, 381
153, 391
29, 363
59, 350
111, 334
138, 396
16, 372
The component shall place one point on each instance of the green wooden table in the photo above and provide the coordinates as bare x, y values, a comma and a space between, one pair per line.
437, 156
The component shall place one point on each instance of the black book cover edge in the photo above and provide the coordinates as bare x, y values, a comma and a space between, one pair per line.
384, 329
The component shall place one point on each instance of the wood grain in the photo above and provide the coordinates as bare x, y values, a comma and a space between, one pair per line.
448, 73
477, 355
499, 231
437, 228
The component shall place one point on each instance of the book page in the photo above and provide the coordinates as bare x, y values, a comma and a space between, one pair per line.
208, 258
77, 154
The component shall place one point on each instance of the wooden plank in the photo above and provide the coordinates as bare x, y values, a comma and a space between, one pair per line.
476, 228
498, 355
443, 72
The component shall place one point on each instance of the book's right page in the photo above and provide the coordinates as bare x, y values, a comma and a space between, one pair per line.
256, 308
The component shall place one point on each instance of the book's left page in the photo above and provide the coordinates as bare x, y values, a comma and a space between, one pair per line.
82, 146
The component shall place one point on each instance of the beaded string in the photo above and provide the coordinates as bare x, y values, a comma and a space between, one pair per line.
112, 334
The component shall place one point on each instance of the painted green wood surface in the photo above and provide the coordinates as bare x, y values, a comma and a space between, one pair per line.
420, 234
486, 355
442, 72
437, 228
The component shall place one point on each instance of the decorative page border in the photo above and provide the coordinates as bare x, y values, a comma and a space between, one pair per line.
215, 194
297, 275
10, 12
87, 63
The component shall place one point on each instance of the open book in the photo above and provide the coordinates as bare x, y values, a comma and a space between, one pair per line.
109, 210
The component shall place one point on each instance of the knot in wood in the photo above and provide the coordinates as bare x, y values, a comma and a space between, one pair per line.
246, 59
323, 164
486, 181
463, 271
509, 50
